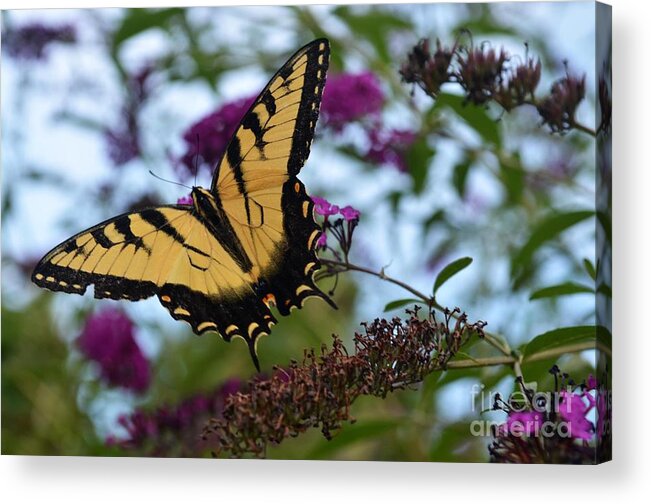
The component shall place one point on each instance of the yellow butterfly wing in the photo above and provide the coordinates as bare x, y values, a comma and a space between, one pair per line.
256, 181
246, 244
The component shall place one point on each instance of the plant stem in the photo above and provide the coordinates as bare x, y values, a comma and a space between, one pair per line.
513, 361
380, 274
583, 128
495, 341
481, 362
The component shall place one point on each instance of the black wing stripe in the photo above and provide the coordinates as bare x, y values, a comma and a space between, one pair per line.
103, 240
123, 226
218, 223
157, 219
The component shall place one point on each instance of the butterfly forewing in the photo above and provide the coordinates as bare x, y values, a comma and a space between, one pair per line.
256, 179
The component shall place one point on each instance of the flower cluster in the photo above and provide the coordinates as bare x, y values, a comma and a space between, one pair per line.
429, 70
123, 140
487, 74
350, 97
342, 228
107, 339
29, 42
549, 427
480, 72
390, 355
207, 139
559, 108
520, 86
605, 103
174, 430
185, 200
390, 147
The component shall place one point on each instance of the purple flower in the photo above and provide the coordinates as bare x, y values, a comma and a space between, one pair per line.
185, 200
527, 422
30, 41
591, 382
573, 409
324, 207
139, 83
322, 242
107, 338
123, 143
349, 213
604, 413
390, 147
348, 97
180, 423
207, 139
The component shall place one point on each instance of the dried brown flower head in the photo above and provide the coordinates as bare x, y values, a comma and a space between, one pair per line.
481, 73
559, 108
521, 85
389, 355
486, 74
428, 70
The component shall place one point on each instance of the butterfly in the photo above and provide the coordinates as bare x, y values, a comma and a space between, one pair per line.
244, 245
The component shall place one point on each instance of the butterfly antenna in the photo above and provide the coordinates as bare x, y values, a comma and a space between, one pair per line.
170, 181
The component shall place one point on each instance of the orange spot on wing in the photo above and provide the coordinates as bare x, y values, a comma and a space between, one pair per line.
269, 299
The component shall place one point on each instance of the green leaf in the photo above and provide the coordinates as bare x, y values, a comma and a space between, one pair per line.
449, 271
137, 21
604, 336
460, 175
398, 303
589, 267
486, 27
560, 338
606, 224
476, 117
563, 289
373, 25
605, 290
550, 227
394, 199
512, 176
349, 434
418, 159
437, 217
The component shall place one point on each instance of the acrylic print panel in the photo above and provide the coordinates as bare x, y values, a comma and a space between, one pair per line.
452, 200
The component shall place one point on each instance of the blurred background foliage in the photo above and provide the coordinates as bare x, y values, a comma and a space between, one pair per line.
94, 99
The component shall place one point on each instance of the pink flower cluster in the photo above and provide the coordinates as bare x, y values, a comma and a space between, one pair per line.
350, 215
206, 140
571, 408
107, 339
325, 208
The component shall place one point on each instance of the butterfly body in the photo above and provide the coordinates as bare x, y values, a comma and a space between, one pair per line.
245, 244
